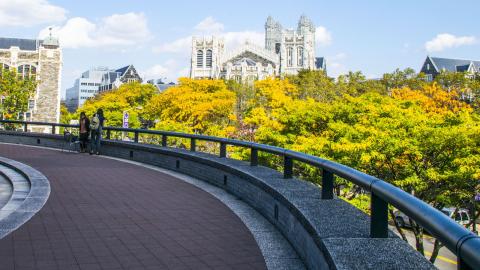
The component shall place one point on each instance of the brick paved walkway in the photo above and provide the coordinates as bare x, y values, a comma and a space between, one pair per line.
107, 214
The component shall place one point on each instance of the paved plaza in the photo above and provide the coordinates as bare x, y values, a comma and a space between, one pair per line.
107, 214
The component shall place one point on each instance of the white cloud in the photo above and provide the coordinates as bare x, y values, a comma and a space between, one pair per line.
181, 45
209, 26
336, 65
167, 71
446, 41
118, 29
183, 72
322, 36
29, 12
126, 28
236, 39
155, 72
338, 56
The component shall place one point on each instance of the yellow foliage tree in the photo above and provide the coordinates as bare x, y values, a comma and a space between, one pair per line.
198, 106
432, 98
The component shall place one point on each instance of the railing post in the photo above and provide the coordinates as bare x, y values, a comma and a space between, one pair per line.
379, 217
461, 265
192, 145
25, 129
136, 137
223, 149
253, 157
53, 128
327, 185
108, 134
164, 140
287, 167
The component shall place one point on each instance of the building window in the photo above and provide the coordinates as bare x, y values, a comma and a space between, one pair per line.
209, 58
199, 58
429, 77
26, 71
3, 66
300, 56
289, 56
428, 66
31, 104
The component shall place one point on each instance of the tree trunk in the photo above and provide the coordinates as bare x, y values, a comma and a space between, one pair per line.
418, 232
399, 229
436, 248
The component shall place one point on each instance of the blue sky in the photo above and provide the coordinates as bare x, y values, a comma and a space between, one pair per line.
371, 36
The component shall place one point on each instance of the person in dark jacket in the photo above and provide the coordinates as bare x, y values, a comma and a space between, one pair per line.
84, 131
96, 126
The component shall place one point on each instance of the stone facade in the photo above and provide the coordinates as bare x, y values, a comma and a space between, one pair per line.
286, 52
42, 58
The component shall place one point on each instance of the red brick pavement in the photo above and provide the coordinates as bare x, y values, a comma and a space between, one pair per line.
107, 214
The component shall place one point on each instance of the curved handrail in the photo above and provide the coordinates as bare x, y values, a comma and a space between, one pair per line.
458, 239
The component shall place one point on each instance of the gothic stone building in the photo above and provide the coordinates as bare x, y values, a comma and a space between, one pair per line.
286, 52
42, 59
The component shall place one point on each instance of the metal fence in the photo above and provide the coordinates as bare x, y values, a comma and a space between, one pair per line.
458, 239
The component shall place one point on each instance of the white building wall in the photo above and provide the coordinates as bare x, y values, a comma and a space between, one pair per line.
84, 88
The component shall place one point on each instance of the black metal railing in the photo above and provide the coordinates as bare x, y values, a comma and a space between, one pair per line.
458, 239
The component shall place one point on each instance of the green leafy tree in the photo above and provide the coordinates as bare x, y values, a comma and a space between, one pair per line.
16, 91
131, 97
314, 84
403, 78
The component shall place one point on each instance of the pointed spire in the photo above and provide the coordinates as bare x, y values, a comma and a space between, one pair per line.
270, 22
305, 22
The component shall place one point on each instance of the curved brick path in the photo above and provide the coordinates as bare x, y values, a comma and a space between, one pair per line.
107, 214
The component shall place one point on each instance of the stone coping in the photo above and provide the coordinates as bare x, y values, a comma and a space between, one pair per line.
31, 190
20, 189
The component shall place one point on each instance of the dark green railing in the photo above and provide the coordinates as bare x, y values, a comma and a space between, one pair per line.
458, 239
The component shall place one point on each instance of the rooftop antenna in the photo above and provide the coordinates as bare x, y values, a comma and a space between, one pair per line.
50, 29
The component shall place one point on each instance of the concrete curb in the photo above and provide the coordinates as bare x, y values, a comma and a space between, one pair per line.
31, 190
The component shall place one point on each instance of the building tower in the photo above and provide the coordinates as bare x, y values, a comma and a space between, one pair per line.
42, 59
206, 57
273, 35
298, 47
306, 29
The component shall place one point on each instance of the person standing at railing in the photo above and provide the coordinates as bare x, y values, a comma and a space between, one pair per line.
96, 126
84, 131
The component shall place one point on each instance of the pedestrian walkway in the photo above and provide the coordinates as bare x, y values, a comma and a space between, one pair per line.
107, 214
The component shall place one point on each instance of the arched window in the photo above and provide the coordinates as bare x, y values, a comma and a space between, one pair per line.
289, 56
300, 56
209, 58
26, 71
199, 58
